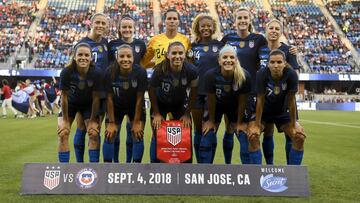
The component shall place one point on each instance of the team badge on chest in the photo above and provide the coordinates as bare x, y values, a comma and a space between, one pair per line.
215, 49
90, 83
251, 44
134, 83
137, 49
284, 86
183, 81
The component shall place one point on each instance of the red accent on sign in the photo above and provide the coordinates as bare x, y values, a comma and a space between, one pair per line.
173, 142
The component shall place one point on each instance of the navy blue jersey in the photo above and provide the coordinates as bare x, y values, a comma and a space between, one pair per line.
139, 49
204, 57
99, 52
226, 91
125, 88
276, 93
80, 91
247, 50
171, 88
265, 51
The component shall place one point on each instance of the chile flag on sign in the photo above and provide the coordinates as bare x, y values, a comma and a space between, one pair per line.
173, 142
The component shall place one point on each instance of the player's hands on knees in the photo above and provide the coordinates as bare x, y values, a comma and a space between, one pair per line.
300, 130
63, 128
156, 123
241, 127
207, 126
186, 120
253, 131
138, 130
110, 131
93, 128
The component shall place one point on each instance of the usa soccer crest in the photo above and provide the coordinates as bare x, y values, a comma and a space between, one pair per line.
215, 49
284, 86
52, 177
134, 83
90, 83
173, 135
183, 81
251, 44
137, 49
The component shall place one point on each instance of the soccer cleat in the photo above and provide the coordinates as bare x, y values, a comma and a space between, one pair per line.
4, 116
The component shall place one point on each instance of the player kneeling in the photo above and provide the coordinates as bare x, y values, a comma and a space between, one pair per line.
80, 85
276, 89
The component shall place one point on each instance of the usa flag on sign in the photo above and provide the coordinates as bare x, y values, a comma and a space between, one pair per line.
51, 178
173, 135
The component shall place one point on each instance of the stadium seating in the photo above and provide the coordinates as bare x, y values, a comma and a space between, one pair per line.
347, 16
315, 37
63, 25
140, 10
15, 20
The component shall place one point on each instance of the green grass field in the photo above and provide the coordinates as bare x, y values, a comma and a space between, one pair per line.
332, 154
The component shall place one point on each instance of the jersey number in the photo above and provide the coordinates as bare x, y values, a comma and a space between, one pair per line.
94, 56
165, 87
159, 52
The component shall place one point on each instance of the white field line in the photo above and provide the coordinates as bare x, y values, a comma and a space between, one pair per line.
329, 123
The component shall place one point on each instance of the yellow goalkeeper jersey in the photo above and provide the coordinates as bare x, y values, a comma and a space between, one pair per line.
158, 45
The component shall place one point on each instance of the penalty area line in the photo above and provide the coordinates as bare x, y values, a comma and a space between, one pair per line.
329, 123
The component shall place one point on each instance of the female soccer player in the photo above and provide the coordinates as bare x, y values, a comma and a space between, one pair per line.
158, 44
167, 90
99, 51
125, 83
227, 89
247, 46
276, 89
126, 31
203, 54
274, 30
80, 88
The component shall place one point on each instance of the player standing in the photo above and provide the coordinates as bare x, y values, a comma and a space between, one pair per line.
203, 54
274, 30
276, 89
126, 32
158, 45
99, 51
